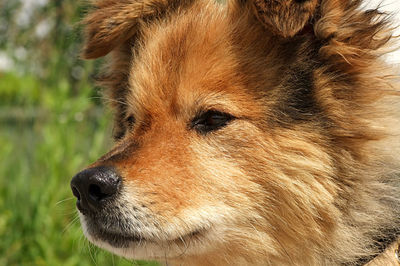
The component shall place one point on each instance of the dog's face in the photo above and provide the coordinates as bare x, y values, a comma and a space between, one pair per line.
222, 136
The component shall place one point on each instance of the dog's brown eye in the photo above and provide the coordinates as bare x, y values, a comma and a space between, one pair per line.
210, 121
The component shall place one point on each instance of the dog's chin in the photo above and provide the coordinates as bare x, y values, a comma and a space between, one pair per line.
137, 247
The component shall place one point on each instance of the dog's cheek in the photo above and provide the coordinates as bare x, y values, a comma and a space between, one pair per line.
295, 173
269, 178
221, 166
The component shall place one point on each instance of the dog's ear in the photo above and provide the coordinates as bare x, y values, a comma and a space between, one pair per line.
284, 17
113, 22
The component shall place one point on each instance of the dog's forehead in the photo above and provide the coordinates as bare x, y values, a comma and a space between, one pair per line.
185, 59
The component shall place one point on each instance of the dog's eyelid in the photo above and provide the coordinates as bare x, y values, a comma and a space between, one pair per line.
210, 120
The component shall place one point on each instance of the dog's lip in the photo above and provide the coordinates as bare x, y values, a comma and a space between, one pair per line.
119, 239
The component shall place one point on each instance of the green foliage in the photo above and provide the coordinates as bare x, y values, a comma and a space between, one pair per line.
51, 126
9, 94
41, 148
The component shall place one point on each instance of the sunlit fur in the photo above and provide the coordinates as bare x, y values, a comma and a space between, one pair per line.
307, 172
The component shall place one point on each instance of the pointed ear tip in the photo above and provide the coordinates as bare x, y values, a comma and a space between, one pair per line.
282, 17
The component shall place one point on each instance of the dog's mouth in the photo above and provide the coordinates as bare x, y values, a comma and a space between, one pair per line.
117, 240
126, 240
123, 241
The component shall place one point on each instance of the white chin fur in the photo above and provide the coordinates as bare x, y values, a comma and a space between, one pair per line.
131, 252
146, 250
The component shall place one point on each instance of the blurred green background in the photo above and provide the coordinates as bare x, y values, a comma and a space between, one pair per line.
52, 124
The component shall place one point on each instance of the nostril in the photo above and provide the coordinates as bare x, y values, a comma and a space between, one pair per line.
76, 193
93, 186
96, 193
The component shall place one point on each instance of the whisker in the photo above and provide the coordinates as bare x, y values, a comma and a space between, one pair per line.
92, 256
64, 200
70, 224
72, 211
186, 246
109, 100
82, 242
183, 241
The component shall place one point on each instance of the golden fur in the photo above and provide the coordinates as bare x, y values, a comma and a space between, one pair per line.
306, 173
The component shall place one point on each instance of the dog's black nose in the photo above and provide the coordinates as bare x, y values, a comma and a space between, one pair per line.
94, 186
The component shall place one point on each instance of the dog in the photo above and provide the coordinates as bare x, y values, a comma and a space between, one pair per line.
247, 132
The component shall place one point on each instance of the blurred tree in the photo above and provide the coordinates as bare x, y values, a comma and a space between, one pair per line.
42, 38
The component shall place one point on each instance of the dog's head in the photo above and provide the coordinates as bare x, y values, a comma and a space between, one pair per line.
238, 128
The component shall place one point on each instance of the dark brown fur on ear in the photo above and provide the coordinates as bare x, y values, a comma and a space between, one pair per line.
285, 17
113, 22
